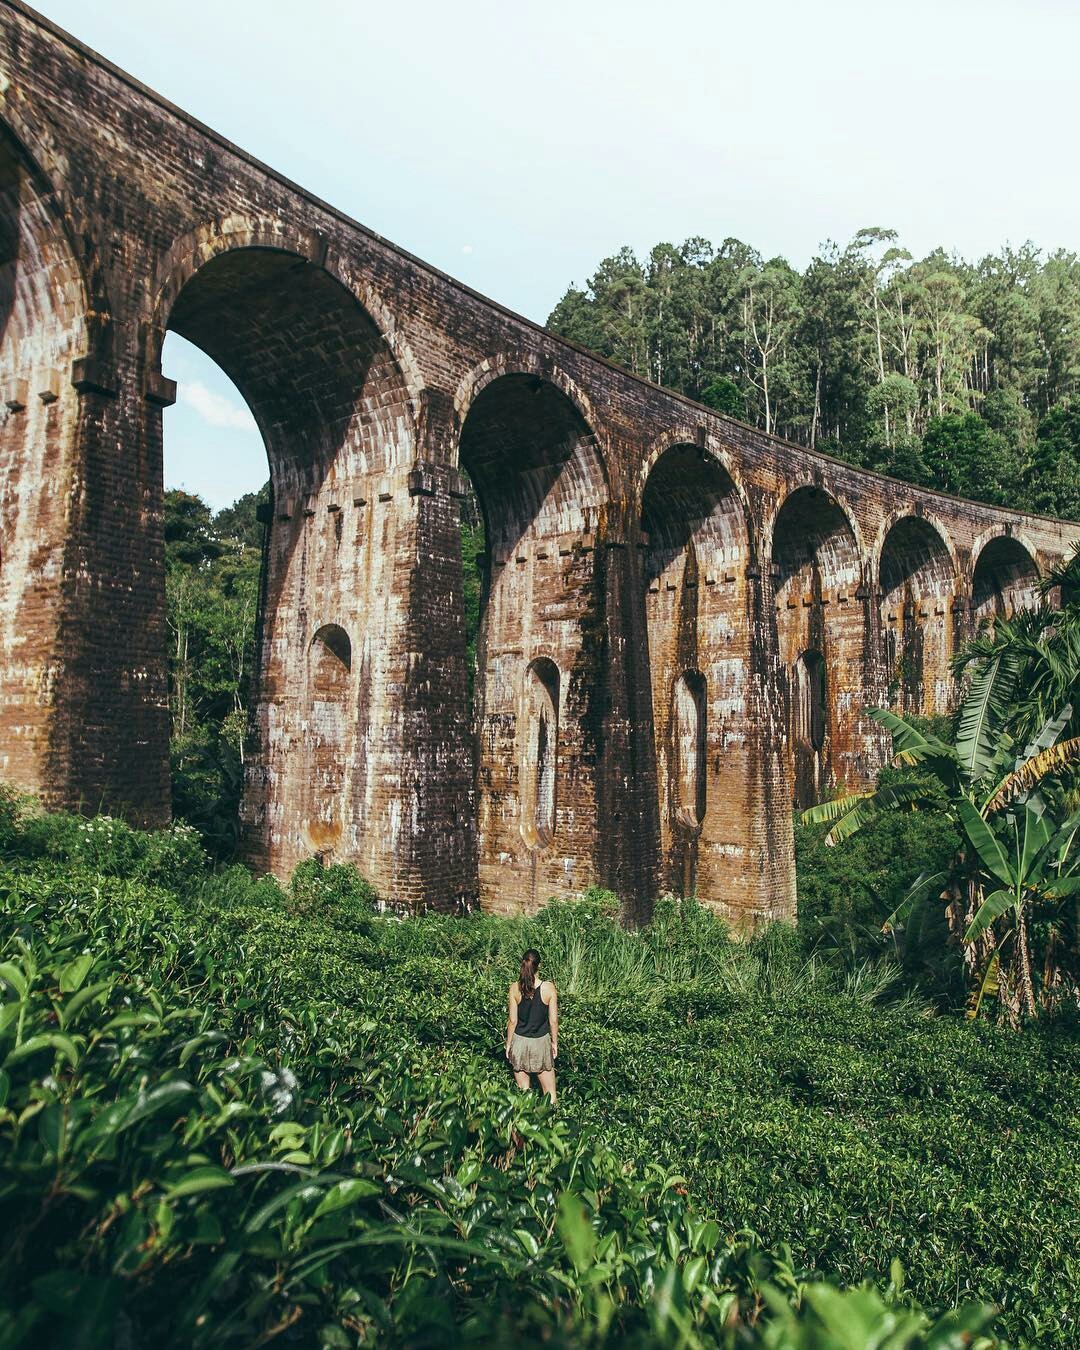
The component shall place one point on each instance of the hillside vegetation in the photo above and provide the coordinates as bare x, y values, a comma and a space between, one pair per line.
235, 1114
947, 373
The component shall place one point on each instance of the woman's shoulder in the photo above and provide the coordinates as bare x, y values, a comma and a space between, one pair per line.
547, 990
513, 989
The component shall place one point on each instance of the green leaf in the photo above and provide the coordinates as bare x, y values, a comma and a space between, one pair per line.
11, 974
70, 1009
158, 1099
200, 1179
346, 1192
75, 972
49, 1040
991, 908
917, 893
1063, 886
984, 711
530, 1244
986, 988
985, 842
576, 1231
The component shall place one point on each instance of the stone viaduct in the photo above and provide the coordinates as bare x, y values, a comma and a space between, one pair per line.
683, 619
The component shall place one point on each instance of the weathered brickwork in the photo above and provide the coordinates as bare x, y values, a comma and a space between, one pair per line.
683, 620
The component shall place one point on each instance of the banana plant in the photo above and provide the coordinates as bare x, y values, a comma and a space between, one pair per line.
1018, 857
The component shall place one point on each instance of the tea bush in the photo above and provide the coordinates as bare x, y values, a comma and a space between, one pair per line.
232, 1113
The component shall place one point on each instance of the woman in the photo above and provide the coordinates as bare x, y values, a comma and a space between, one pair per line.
532, 1026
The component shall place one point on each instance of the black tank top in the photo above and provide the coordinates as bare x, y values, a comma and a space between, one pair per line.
532, 1015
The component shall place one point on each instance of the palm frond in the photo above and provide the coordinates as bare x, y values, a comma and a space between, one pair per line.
914, 897
1048, 735
831, 810
987, 986
867, 807
985, 842
910, 745
1053, 759
984, 712
991, 908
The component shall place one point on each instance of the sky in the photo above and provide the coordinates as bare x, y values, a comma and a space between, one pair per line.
514, 145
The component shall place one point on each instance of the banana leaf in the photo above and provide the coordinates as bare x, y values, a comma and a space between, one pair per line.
993, 907
985, 842
986, 988
984, 712
916, 895
1051, 759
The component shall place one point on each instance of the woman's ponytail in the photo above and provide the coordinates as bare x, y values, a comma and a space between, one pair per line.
530, 964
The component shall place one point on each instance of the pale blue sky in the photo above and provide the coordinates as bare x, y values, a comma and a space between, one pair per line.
514, 145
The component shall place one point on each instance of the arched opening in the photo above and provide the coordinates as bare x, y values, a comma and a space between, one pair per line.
694, 550
540, 752
539, 483
325, 726
820, 613
690, 719
333, 415
917, 584
216, 503
43, 328
810, 700
1006, 580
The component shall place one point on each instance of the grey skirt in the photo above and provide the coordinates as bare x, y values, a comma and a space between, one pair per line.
531, 1054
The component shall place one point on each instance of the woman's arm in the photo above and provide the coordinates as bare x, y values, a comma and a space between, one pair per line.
553, 1018
511, 1018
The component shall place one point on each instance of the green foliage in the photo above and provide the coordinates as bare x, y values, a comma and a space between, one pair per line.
338, 890
1010, 887
935, 370
863, 881
212, 586
230, 1113
172, 857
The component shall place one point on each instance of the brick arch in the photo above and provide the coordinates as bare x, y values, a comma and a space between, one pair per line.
917, 581
695, 549
52, 309
690, 498
811, 529
324, 385
476, 380
192, 250
935, 523
531, 452
818, 568
1004, 576
916, 554
54, 312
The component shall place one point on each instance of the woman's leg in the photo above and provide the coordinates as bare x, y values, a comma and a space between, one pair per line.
547, 1082
523, 1080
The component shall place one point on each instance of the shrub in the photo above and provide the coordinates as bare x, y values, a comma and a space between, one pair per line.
9, 817
337, 891
174, 857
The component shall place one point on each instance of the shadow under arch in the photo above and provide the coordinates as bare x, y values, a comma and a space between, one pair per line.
1005, 579
695, 551
336, 417
541, 485
917, 585
820, 618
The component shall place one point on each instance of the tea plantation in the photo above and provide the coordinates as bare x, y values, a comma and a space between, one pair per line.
235, 1114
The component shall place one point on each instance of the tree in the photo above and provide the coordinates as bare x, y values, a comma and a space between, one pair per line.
867, 351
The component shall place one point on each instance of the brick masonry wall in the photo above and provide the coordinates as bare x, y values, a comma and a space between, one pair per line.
376, 382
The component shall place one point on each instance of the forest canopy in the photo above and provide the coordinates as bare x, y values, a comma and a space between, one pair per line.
946, 373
